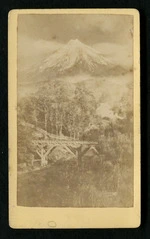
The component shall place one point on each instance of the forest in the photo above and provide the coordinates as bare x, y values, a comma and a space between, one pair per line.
65, 112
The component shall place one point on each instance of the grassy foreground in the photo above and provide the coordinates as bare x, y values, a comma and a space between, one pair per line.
63, 184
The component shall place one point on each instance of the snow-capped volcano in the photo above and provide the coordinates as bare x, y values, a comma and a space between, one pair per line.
76, 57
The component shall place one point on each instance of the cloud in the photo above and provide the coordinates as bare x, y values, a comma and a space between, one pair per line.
28, 46
119, 54
90, 29
105, 111
32, 51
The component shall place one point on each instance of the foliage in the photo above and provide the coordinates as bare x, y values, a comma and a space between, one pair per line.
57, 111
64, 185
52, 109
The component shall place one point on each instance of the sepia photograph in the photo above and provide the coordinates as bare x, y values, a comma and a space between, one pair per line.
75, 119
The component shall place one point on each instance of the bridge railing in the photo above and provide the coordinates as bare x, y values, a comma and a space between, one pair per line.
56, 138
60, 141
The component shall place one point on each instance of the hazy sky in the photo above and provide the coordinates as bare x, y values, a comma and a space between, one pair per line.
39, 35
111, 35
89, 29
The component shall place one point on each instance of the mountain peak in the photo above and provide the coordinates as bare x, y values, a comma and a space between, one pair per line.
74, 57
74, 41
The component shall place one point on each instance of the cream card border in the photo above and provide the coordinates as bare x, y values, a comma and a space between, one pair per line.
28, 217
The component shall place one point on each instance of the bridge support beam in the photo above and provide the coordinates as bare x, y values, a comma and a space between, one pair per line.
44, 147
80, 153
79, 157
43, 153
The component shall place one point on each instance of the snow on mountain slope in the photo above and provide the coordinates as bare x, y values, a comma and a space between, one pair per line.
74, 62
76, 57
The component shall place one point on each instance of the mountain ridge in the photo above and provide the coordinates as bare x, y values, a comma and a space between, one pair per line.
76, 57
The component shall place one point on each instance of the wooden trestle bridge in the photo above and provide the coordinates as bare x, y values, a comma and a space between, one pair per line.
74, 147
44, 147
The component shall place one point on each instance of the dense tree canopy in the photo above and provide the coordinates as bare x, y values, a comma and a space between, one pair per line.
57, 110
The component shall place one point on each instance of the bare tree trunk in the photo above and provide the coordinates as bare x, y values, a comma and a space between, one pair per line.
45, 124
57, 127
43, 158
74, 135
60, 131
79, 157
35, 118
61, 124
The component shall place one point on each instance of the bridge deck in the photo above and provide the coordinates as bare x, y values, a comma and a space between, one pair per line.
64, 142
57, 139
